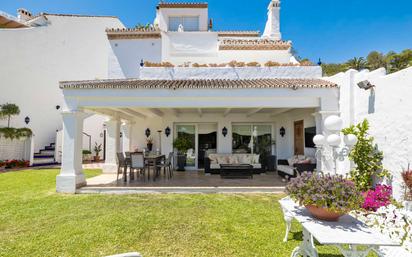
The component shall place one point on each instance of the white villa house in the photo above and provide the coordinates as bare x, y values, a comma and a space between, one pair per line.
224, 89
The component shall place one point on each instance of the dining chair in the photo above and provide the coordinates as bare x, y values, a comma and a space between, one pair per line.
121, 165
128, 160
138, 164
167, 166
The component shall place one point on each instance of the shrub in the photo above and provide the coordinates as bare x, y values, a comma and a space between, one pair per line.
367, 157
15, 133
253, 64
11, 164
86, 152
272, 64
153, 64
326, 191
381, 196
236, 64
407, 180
182, 144
306, 63
196, 65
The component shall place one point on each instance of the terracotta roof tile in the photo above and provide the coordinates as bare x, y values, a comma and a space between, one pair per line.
238, 33
133, 33
183, 5
197, 84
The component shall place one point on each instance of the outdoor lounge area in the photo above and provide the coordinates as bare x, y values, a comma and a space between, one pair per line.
226, 124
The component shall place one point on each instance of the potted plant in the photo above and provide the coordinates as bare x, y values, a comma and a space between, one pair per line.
97, 150
326, 197
182, 144
149, 143
86, 155
407, 180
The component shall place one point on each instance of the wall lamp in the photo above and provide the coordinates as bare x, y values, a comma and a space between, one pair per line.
147, 132
224, 131
167, 131
282, 131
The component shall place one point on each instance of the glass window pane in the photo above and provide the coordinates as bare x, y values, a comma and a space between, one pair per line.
174, 23
241, 138
189, 132
262, 139
191, 23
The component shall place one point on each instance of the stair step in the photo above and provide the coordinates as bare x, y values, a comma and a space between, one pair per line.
46, 152
42, 156
43, 161
44, 164
49, 148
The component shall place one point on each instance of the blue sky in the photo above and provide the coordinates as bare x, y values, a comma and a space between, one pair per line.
334, 30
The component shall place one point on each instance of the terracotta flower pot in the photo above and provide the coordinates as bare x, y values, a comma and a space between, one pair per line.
323, 213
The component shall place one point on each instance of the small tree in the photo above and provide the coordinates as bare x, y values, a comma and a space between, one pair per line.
182, 144
9, 110
367, 157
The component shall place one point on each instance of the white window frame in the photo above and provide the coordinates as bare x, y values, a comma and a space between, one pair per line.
182, 17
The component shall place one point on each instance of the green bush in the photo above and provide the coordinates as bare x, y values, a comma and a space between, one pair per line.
182, 144
15, 133
366, 156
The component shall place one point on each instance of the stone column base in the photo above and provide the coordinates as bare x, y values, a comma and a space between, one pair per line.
69, 183
109, 168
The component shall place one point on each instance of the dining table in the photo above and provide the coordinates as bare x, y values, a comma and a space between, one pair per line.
151, 160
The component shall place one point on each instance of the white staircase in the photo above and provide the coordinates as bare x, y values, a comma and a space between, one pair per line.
45, 156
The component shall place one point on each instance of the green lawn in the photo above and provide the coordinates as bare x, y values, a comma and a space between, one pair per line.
36, 221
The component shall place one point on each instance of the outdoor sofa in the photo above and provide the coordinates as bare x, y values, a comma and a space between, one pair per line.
213, 162
296, 165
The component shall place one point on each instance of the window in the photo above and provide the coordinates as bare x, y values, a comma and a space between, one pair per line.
190, 23
248, 138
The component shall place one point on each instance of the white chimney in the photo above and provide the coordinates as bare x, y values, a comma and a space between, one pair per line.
272, 29
23, 15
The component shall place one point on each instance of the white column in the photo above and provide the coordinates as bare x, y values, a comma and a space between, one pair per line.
112, 145
71, 173
127, 134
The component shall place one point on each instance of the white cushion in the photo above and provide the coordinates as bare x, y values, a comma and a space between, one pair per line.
214, 166
286, 169
233, 159
257, 166
213, 158
222, 159
256, 158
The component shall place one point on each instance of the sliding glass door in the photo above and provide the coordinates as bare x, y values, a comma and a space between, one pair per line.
252, 138
189, 133
203, 141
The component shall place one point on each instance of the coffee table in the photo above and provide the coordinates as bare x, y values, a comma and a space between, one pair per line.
236, 171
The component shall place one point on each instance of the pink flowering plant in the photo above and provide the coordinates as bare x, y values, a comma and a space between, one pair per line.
333, 192
379, 197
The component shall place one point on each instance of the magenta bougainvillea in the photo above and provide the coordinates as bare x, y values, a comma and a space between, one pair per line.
378, 197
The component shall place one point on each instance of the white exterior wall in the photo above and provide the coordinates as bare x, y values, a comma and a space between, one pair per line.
232, 73
181, 48
34, 60
163, 15
125, 56
388, 109
19, 149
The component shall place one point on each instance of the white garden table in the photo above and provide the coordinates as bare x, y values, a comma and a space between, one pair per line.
349, 235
